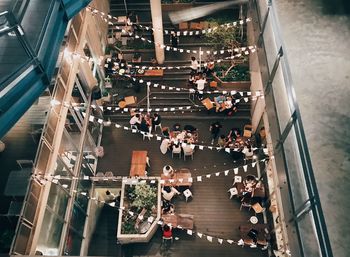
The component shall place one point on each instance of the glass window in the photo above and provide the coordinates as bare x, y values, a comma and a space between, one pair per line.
308, 234
68, 150
295, 170
73, 244
50, 234
78, 219
57, 200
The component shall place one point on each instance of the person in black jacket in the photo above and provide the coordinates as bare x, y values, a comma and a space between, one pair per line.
215, 130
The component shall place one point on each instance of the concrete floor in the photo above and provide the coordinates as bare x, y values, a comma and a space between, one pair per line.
317, 46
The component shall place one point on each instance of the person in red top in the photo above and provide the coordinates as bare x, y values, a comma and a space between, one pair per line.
167, 232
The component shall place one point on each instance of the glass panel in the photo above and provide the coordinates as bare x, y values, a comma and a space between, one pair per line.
50, 234
57, 200
22, 239
12, 56
73, 244
78, 219
89, 148
280, 95
42, 162
94, 127
34, 26
68, 150
52, 124
308, 234
270, 45
83, 186
295, 170
61, 169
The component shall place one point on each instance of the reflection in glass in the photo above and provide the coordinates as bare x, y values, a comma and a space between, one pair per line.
50, 234
57, 200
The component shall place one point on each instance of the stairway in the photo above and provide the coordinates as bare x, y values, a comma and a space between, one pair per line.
160, 99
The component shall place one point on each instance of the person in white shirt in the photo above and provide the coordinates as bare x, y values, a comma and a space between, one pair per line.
168, 170
194, 65
135, 120
200, 86
164, 145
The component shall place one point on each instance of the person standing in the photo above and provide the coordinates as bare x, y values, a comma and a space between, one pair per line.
200, 86
194, 65
215, 130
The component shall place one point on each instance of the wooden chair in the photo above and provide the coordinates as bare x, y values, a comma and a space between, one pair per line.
183, 25
247, 131
257, 208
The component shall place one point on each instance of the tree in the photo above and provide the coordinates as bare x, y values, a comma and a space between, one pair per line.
227, 38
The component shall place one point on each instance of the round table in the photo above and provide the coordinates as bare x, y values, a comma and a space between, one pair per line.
253, 219
122, 104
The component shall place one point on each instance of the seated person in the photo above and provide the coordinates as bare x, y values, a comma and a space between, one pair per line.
248, 152
176, 127
144, 126
165, 145
167, 232
253, 234
168, 170
165, 132
156, 120
169, 192
219, 101
234, 132
222, 141
135, 120
187, 148
167, 207
190, 128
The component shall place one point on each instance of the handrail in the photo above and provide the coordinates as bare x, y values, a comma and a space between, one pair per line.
296, 123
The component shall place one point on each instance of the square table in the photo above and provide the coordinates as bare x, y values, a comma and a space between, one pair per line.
129, 100
207, 103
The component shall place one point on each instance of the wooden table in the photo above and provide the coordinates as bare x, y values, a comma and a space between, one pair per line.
184, 175
151, 73
138, 164
207, 103
183, 220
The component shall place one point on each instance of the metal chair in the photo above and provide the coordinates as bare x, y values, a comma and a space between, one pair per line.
176, 150
188, 154
188, 194
233, 191
159, 125
245, 203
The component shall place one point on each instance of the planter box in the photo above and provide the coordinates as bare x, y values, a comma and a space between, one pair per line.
176, 6
234, 85
124, 238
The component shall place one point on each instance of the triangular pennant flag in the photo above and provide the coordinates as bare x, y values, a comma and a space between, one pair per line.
189, 232
208, 175
217, 174
200, 147
245, 167
240, 242
210, 147
199, 235
253, 164
235, 170
159, 138
220, 240
227, 150
199, 178
229, 241
226, 172
210, 239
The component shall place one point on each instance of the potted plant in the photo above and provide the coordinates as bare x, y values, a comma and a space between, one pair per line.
141, 203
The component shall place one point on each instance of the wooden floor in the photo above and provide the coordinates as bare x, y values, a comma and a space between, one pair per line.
214, 213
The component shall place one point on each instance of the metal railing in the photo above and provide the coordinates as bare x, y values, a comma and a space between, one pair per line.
303, 211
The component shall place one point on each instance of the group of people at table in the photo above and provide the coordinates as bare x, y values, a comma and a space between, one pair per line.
145, 122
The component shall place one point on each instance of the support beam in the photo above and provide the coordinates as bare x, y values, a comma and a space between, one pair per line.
157, 23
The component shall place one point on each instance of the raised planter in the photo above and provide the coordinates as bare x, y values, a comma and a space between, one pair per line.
176, 6
235, 85
142, 198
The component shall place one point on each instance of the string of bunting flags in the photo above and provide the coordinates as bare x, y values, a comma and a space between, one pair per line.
151, 219
203, 64
107, 18
135, 180
159, 137
244, 94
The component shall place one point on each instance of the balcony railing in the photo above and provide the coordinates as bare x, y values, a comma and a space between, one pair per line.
307, 232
